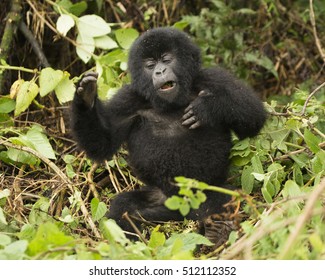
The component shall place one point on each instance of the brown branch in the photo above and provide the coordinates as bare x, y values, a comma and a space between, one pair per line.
13, 19
313, 23
35, 45
309, 97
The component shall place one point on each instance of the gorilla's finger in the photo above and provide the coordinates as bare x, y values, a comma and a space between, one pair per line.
189, 121
88, 79
189, 114
195, 125
188, 108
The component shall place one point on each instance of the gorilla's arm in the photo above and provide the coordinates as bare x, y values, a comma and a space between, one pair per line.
101, 127
224, 100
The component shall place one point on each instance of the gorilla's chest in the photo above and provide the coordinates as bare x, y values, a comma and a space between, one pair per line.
161, 125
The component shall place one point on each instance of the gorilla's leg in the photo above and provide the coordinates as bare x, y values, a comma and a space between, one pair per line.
144, 204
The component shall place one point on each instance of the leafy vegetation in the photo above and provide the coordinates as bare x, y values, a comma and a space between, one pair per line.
53, 199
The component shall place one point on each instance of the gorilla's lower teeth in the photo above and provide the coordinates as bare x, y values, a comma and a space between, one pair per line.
168, 85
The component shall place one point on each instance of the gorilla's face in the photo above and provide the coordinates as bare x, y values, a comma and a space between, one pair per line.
162, 73
163, 63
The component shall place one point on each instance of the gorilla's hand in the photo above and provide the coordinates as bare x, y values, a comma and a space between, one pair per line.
197, 113
87, 88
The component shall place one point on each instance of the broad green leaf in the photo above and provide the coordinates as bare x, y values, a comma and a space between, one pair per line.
312, 141
7, 105
257, 164
49, 79
98, 209
105, 43
173, 203
27, 232
48, 236
247, 179
157, 239
85, 47
16, 250
112, 232
78, 8
93, 26
266, 195
64, 24
65, 90
40, 142
263, 61
184, 208
17, 155
125, 37
26, 94
4, 239
291, 189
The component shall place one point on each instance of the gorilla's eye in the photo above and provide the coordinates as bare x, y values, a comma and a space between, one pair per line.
150, 64
167, 58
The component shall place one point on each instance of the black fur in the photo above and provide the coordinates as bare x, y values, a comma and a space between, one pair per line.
184, 131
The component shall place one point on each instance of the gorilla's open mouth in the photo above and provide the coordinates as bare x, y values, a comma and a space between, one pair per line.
167, 86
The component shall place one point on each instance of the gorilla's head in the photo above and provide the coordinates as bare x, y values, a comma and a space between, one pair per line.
163, 63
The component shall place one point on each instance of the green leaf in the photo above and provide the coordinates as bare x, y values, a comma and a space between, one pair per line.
16, 250
257, 164
263, 61
291, 189
26, 94
184, 208
173, 203
17, 155
7, 105
65, 90
40, 142
247, 179
157, 239
267, 196
38, 214
112, 232
48, 236
64, 24
4, 239
93, 26
85, 47
105, 43
2, 217
312, 141
49, 79
125, 37
98, 209
78, 8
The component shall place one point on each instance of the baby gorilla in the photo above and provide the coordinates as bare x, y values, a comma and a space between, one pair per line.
176, 119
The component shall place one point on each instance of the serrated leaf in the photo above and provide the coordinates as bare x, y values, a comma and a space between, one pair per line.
64, 24
26, 94
126, 37
40, 142
49, 79
93, 26
312, 141
65, 90
85, 47
105, 43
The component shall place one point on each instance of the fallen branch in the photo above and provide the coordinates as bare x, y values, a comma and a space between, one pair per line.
313, 24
